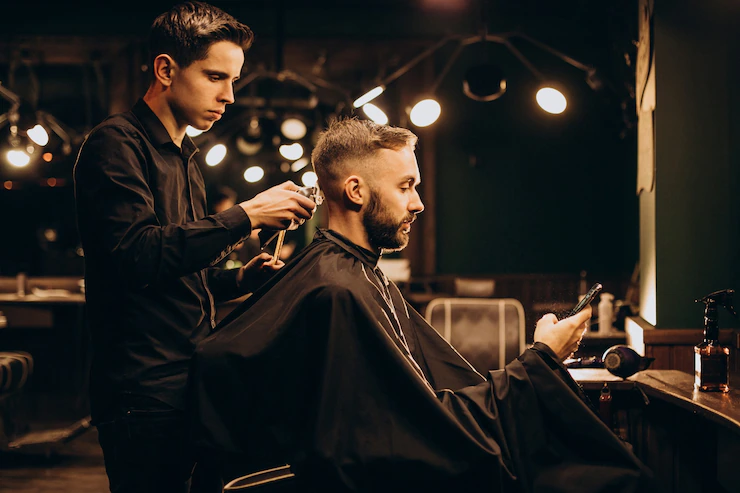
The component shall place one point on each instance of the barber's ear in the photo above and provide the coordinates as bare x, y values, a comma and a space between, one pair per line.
355, 190
163, 68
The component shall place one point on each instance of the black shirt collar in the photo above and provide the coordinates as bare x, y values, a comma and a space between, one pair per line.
364, 254
157, 132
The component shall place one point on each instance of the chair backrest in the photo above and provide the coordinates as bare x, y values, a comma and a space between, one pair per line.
488, 332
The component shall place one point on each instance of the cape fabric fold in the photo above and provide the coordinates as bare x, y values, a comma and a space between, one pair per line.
326, 370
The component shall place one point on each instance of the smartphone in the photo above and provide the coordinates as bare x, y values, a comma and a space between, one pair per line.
587, 299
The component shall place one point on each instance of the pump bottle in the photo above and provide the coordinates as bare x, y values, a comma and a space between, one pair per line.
606, 312
711, 359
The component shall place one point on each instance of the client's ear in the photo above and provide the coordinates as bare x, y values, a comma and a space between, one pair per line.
355, 192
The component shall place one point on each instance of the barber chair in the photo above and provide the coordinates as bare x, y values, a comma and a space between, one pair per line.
15, 369
488, 332
275, 480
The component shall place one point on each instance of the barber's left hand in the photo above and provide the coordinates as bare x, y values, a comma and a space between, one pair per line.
257, 271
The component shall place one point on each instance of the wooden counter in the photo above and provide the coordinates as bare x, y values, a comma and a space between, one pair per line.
32, 299
690, 439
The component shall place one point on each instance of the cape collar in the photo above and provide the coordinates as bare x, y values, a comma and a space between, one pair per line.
367, 256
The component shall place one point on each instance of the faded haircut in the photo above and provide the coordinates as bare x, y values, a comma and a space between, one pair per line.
351, 141
187, 31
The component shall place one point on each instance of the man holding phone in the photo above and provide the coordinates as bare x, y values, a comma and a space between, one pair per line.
327, 368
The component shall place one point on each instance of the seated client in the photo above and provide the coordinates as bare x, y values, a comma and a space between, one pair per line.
329, 369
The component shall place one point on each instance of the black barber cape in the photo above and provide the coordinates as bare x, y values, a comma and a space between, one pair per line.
329, 369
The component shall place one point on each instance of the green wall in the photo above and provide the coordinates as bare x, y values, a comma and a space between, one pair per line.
696, 197
520, 191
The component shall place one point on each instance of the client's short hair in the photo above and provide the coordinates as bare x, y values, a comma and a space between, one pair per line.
351, 141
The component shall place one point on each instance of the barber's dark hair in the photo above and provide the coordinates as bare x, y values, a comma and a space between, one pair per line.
188, 30
351, 140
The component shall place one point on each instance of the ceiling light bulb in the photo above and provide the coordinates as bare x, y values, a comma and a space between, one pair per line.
369, 96
309, 179
292, 152
18, 158
216, 155
247, 147
192, 131
254, 174
551, 100
425, 112
375, 114
299, 165
293, 129
38, 135
253, 129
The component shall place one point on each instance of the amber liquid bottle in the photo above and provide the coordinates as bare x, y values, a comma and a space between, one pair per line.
711, 359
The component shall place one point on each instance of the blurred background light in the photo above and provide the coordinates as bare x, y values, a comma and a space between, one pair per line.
299, 164
216, 154
18, 158
291, 151
309, 179
551, 100
425, 112
253, 174
38, 135
192, 131
293, 128
375, 114
369, 96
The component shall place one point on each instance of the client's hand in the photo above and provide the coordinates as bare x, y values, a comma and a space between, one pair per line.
257, 271
562, 336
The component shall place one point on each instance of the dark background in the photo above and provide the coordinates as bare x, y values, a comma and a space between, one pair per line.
517, 190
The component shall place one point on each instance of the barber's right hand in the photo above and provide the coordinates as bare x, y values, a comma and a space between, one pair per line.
562, 336
276, 207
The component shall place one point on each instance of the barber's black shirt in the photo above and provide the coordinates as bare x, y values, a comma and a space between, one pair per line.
149, 247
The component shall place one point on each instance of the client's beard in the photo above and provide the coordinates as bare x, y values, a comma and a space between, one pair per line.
383, 231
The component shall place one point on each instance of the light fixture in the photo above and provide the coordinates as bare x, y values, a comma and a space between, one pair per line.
309, 179
369, 96
551, 100
293, 128
250, 142
291, 151
299, 164
246, 147
425, 112
483, 82
215, 155
18, 158
253, 174
22, 144
38, 135
375, 114
192, 131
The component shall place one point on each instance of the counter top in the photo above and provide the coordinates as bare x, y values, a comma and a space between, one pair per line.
50, 299
672, 386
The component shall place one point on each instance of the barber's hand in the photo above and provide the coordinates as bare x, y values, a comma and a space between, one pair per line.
562, 336
257, 271
276, 207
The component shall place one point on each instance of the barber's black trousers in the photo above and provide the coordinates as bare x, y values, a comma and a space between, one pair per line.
146, 449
